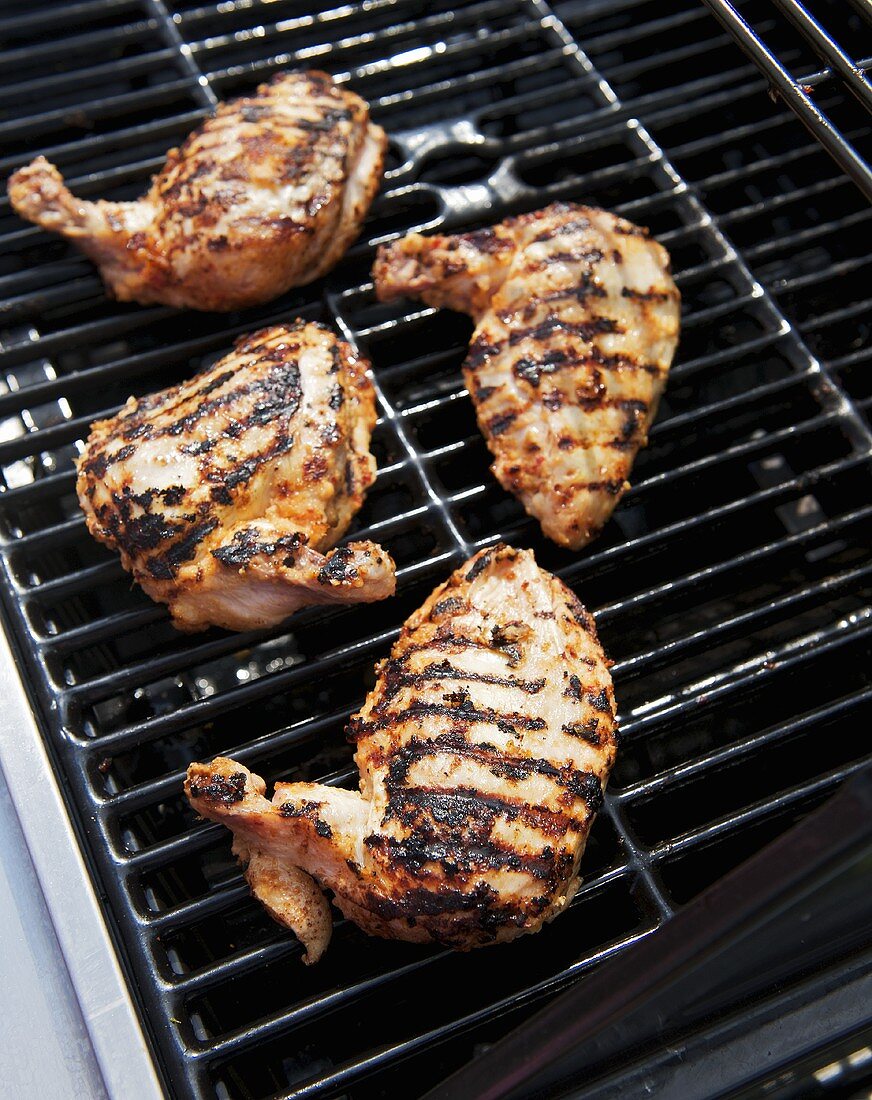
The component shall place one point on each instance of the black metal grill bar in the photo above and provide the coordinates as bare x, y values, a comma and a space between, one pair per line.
126, 368
14, 355
635, 549
805, 236
308, 1011
336, 43
754, 672
100, 687
802, 792
396, 1052
733, 627
169, 32
826, 530
33, 20
734, 752
102, 108
857, 309
827, 48
801, 412
842, 151
229, 895
22, 59
360, 73
180, 123
126, 67
745, 450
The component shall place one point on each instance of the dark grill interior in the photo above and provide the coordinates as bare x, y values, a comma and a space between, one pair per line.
731, 588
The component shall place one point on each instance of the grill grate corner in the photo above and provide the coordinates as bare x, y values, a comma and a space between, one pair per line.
731, 588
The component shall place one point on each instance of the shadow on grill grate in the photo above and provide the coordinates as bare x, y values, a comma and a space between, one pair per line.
731, 587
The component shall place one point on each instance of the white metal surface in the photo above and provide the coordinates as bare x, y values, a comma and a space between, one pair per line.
105, 1008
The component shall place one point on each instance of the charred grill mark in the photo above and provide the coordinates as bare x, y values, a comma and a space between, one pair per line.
584, 731
395, 676
98, 465
564, 229
499, 424
613, 487
506, 637
479, 565
580, 613
479, 352
627, 230
309, 810
147, 532
580, 784
444, 640
487, 241
315, 467
458, 806
448, 606
254, 112
531, 370
225, 789
600, 701
621, 362
281, 386
460, 708
463, 856
573, 689
245, 545
421, 902
244, 471
587, 288
581, 254
165, 566
338, 569
646, 295
528, 371
215, 383
587, 330
323, 125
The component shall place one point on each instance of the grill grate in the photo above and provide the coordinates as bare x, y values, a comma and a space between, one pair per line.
732, 586
798, 94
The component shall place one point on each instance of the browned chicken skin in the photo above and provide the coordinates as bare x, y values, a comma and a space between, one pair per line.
266, 195
483, 751
223, 495
576, 324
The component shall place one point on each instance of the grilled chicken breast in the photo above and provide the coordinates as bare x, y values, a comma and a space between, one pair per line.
222, 495
483, 751
576, 324
266, 195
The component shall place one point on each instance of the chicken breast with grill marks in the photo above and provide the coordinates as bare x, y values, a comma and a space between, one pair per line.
577, 321
266, 195
483, 751
223, 495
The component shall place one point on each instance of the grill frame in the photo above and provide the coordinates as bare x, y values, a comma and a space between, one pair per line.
458, 205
